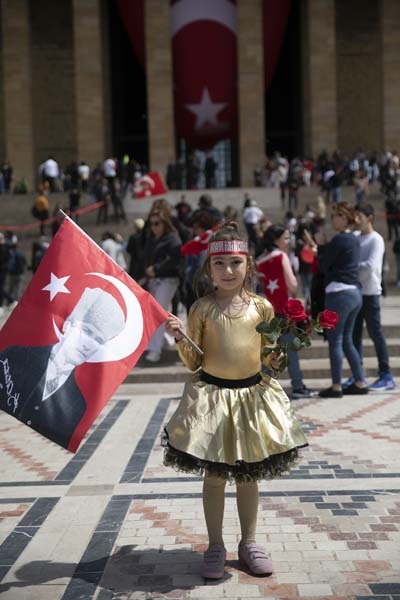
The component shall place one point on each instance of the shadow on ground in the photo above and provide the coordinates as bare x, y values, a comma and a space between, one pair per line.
124, 572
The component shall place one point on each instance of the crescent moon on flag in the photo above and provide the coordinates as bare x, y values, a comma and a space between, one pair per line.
187, 11
130, 337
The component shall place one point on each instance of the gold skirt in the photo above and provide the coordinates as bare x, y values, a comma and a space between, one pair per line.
247, 433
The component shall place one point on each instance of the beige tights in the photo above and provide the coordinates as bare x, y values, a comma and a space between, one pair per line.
214, 502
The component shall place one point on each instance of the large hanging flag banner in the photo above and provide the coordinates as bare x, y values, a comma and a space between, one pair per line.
204, 56
204, 51
76, 333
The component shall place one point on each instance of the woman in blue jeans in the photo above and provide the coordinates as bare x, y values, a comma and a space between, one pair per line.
338, 261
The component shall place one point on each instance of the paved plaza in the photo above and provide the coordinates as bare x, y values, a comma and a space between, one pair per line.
110, 522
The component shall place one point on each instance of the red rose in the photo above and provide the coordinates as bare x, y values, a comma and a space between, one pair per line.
328, 319
294, 310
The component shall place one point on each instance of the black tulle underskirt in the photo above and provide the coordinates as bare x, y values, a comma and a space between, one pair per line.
271, 467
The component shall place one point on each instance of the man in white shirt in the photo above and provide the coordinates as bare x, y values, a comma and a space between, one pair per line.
110, 173
84, 173
51, 173
372, 251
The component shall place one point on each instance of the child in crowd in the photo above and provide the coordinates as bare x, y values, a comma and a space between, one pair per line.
234, 422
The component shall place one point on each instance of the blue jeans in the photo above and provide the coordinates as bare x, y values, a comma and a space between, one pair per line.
347, 304
295, 374
371, 313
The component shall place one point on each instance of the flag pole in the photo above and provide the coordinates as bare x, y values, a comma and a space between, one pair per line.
191, 342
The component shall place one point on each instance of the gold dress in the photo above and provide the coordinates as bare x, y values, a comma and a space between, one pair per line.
235, 428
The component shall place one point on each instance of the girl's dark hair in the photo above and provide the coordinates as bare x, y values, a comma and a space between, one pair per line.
227, 231
273, 233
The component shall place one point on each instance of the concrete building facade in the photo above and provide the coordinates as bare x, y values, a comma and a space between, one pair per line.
56, 81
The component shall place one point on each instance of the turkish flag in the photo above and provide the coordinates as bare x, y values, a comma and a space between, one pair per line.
204, 54
270, 272
149, 185
205, 70
76, 333
197, 244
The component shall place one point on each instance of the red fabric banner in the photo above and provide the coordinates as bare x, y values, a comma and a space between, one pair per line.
203, 35
76, 333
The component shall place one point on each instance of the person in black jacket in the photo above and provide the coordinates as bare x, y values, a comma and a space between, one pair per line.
162, 269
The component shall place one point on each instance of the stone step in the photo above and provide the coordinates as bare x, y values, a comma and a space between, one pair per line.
172, 370
320, 349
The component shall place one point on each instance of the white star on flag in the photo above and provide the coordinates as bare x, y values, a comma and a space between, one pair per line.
272, 285
56, 286
206, 110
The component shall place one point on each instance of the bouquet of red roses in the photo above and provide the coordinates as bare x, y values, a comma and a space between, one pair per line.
297, 322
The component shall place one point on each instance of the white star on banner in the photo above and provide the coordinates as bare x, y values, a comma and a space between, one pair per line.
56, 286
206, 110
272, 285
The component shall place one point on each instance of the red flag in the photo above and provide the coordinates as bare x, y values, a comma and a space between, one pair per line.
197, 245
270, 272
77, 332
149, 185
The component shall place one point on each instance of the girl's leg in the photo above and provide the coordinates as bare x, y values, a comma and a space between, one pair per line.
251, 555
247, 504
213, 505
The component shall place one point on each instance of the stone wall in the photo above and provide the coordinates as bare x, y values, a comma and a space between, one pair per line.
359, 74
53, 81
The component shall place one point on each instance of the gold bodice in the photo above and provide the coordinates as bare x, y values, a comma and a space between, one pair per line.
231, 345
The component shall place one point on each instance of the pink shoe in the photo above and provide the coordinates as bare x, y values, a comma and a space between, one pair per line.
254, 558
214, 562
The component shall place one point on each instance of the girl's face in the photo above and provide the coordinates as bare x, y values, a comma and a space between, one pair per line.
283, 242
228, 271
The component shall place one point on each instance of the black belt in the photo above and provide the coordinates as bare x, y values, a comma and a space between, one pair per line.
230, 383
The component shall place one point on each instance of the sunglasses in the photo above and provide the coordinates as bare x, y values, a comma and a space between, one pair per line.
155, 223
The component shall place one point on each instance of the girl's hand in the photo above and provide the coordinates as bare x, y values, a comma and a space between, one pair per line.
275, 360
172, 325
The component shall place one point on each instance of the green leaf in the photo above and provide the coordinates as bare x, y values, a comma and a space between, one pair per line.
273, 337
266, 351
296, 344
264, 327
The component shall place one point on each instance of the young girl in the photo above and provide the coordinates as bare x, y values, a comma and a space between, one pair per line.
233, 422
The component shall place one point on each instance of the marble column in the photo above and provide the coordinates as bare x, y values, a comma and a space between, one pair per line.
17, 88
250, 88
89, 81
319, 77
390, 74
160, 108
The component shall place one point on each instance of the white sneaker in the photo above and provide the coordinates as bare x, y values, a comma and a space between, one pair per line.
153, 357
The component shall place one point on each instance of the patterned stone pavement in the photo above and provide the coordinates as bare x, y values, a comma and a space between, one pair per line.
111, 523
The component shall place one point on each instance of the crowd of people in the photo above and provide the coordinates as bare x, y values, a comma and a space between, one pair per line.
166, 250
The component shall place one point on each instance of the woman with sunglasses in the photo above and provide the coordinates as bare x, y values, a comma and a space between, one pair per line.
338, 260
161, 267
